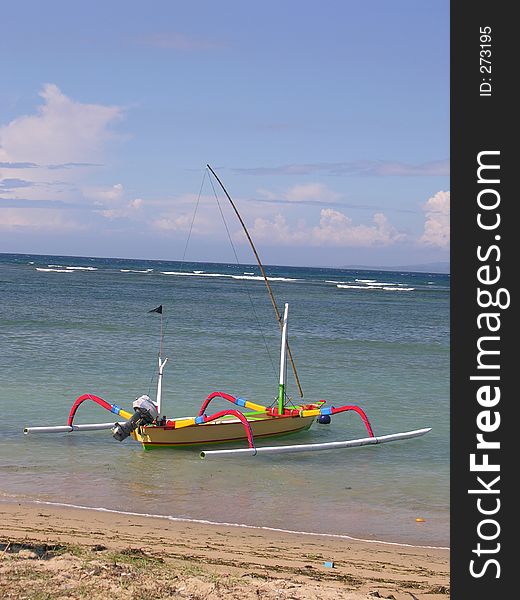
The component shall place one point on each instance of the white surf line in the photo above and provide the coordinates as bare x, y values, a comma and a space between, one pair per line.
54, 270
223, 524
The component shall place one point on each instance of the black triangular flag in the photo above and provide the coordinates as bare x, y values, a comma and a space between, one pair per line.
157, 310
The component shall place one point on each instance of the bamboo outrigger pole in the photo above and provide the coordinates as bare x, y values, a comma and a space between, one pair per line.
271, 295
382, 439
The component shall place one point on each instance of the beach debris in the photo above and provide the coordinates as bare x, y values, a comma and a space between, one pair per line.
26, 553
420, 520
439, 589
6, 547
329, 564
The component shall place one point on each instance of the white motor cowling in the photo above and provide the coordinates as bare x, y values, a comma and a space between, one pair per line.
145, 414
146, 405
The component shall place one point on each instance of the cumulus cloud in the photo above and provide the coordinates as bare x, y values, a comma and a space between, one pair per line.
437, 223
64, 137
112, 203
183, 222
129, 210
188, 211
63, 131
337, 229
334, 229
109, 194
136, 203
173, 223
278, 231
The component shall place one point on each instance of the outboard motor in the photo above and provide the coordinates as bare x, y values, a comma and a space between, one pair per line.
145, 414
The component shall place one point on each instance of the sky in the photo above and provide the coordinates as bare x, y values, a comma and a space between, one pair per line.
328, 123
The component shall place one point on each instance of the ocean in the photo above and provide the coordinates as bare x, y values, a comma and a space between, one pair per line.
378, 339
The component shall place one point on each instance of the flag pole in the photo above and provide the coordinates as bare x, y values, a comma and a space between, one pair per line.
162, 363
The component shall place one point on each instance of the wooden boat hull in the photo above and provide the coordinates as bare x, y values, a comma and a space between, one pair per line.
218, 432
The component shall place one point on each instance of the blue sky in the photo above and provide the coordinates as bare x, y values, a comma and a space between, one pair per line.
327, 121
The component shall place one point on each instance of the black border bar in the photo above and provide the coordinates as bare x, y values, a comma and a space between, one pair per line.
483, 128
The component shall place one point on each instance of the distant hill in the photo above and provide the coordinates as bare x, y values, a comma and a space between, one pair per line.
433, 267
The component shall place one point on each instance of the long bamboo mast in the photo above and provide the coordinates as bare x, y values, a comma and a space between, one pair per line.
271, 295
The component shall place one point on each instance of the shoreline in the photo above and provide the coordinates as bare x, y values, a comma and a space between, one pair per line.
241, 561
211, 523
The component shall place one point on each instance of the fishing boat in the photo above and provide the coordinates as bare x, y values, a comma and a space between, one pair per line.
244, 421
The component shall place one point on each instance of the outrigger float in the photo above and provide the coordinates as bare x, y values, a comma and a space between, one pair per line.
282, 417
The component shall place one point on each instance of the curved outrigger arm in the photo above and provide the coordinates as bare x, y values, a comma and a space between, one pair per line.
235, 400
309, 410
178, 424
201, 419
113, 408
70, 427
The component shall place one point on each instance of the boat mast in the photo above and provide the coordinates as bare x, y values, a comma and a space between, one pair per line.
271, 295
281, 387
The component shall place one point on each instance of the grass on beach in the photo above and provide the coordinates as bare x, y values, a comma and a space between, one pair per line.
33, 570
38, 571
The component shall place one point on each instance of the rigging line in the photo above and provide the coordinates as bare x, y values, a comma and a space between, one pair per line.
245, 286
194, 214
262, 270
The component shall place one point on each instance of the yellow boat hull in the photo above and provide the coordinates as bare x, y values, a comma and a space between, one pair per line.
218, 432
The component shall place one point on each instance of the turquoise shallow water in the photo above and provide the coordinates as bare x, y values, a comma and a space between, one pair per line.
381, 341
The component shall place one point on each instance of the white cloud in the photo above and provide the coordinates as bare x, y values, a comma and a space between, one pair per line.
334, 229
111, 202
52, 152
183, 222
62, 131
437, 223
128, 210
278, 231
136, 203
173, 223
185, 211
100, 195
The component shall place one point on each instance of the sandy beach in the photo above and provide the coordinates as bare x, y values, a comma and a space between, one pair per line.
50, 552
